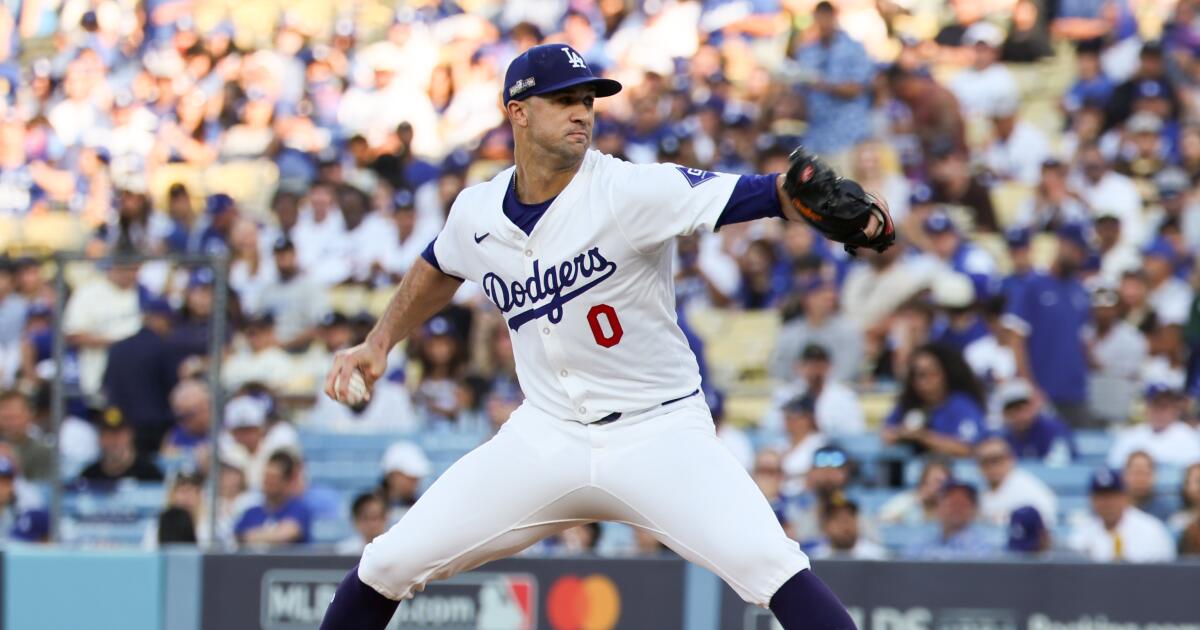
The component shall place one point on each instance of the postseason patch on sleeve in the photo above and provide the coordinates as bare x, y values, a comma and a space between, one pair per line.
695, 176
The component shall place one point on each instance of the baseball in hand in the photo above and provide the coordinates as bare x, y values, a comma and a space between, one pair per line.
358, 393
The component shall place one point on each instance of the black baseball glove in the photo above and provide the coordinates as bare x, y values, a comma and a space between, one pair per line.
838, 208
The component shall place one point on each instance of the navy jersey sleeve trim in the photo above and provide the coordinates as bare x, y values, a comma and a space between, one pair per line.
753, 197
431, 258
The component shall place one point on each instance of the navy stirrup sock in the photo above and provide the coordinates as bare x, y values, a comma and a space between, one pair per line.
357, 606
805, 603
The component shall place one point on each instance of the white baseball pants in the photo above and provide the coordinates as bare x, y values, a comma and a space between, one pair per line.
663, 471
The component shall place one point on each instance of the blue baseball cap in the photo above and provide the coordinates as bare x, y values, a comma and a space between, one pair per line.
1074, 233
7, 468
938, 223
1018, 237
156, 306
1025, 529
1159, 248
440, 326
921, 193
219, 203
1156, 389
550, 68
954, 484
201, 277
1106, 480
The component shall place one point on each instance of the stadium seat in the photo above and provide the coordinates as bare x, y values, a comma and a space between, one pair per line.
1092, 446
1068, 479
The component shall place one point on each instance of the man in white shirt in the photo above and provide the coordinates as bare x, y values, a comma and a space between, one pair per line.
99, 313
1009, 487
836, 406
296, 300
822, 323
261, 359
986, 81
1105, 190
1118, 531
804, 438
1117, 351
320, 237
1164, 435
1018, 148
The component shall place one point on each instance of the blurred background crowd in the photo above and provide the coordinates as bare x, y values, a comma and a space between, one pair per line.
1019, 375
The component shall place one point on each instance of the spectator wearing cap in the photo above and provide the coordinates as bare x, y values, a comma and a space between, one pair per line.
836, 408
803, 439
820, 325
1017, 240
1135, 295
1054, 203
405, 467
141, 372
918, 505
959, 535
1117, 531
191, 406
1116, 353
15, 499
368, 232
23, 440
841, 537
1163, 435
1139, 474
1103, 189
1144, 153
1176, 203
248, 442
281, 518
118, 457
260, 359
1032, 433
959, 254
1008, 486
836, 100
441, 393
940, 408
1149, 83
100, 312
369, 515
958, 323
1027, 533
1045, 324
409, 237
955, 185
181, 217
1170, 297
829, 476
320, 237
1018, 148
212, 236
985, 82
296, 299
190, 330
761, 285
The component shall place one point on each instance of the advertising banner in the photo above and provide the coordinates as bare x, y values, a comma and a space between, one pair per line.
291, 592
1000, 596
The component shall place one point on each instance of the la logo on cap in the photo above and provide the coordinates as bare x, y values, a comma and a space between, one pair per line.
574, 58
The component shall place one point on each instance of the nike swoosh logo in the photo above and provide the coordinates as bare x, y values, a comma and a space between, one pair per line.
479, 239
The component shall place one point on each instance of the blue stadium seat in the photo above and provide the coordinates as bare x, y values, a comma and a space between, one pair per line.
900, 537
1092, 446
1068, 479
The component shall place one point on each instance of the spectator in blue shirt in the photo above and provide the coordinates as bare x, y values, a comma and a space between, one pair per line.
837, 100
1092, 86
191, 406
281, 518
1045, 322
959, 534
941, 406
961, 255
1031, 431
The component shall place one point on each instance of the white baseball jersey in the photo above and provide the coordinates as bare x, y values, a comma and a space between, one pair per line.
588, 293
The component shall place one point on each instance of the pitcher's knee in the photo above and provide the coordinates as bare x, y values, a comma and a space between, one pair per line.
759, 570
396, 571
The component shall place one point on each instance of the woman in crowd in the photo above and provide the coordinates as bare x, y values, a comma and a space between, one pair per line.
941, 408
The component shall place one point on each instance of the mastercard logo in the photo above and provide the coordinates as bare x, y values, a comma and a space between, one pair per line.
587, 603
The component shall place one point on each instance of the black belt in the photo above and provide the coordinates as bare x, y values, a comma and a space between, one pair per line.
616, 415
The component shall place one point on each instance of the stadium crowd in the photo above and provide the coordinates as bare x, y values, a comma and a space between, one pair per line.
1041, 159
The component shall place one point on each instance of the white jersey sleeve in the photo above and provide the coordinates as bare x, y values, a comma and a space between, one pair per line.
654, 203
